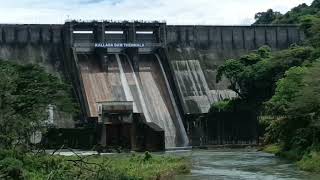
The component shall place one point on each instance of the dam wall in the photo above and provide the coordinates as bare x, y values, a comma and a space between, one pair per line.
30, 33
33, 43
169, 75
193, 52
234, 37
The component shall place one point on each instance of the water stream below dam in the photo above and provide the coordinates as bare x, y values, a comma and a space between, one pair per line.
242, 164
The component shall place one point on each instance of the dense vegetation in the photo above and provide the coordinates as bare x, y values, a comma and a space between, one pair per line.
15, 165
25, 93
283, 87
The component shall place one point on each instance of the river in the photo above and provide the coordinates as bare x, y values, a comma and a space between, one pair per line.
242, 164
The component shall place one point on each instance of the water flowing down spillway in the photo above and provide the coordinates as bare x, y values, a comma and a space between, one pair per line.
100, 85
148, 88
135, 87
157, 98
125, 84
175, 107
153, 94
193, 86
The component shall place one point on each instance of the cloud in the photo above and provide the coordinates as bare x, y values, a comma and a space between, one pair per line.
207, 12
86, 2
91, 1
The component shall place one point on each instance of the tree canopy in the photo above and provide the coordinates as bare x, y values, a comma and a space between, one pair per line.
266, 17
254, 76
25, 93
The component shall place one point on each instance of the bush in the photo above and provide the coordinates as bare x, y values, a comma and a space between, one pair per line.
147, 156
11, 153
310, 162
302, 138
11, 168
272, 148
292, 154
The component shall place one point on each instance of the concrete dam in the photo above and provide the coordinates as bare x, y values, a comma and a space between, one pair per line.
142, 84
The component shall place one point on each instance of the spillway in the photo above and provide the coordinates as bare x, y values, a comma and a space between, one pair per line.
148, 88
100, 85
192, 84
158, 99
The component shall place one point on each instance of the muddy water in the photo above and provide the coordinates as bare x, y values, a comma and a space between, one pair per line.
242, 165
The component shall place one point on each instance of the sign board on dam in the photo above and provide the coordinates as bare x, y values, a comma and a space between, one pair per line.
119, 45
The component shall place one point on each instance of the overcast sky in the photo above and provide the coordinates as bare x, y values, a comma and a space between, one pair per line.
193, 12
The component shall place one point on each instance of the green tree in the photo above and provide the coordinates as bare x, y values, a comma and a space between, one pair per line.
316, 4
311, 26
307, 102
287, 89
25, 93
266, 17
297, 103
254, 76
8, 77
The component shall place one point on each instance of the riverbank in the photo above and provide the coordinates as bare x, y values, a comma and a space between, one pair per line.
118, 166
228, 146
242, 164
307, 161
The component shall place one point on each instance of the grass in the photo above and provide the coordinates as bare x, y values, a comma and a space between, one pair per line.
272, 148
147, 167
310, 162
121, 166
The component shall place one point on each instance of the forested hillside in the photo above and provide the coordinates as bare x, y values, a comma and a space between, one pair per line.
283, 87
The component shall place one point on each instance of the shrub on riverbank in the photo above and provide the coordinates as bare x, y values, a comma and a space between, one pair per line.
306, 160
272, 148
310, 162
16, 165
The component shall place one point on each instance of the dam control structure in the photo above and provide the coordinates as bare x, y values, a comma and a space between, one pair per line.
140, 83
